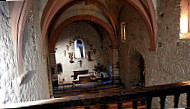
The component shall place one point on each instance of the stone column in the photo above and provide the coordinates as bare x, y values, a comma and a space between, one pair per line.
52, 63
115, 67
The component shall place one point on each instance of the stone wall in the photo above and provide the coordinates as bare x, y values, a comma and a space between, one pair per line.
8, 71
84, 31
137, 41
35, 86
173, 54
170, 63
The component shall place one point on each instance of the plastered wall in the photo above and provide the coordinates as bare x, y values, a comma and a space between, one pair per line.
9, 90
35, 86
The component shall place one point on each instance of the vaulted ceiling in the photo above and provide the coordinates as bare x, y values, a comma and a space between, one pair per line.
56, 14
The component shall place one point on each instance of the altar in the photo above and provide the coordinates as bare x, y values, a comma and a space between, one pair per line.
84, 78
81, 75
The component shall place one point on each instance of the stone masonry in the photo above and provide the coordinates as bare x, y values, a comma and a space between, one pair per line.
170, 63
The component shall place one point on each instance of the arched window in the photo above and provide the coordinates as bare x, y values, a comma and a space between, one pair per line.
79, 49
123, 31
185, 19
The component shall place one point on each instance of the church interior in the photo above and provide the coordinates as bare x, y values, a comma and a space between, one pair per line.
95, 54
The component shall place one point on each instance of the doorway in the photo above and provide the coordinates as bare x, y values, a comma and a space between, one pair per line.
137, 69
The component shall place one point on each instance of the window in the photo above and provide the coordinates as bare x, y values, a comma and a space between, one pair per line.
79, 49
123, 31
185, 20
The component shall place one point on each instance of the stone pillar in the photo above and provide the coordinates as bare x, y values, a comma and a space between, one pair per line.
115, 67
52, 61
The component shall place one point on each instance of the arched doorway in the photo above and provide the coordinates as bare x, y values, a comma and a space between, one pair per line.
142, 71
137, 69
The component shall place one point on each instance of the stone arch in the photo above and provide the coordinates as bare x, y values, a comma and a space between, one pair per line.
55, 34
53, 6
18, 14
147, 14
94, 2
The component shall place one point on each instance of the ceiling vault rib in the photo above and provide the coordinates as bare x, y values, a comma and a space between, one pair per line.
56, 32
147, 14
94, 2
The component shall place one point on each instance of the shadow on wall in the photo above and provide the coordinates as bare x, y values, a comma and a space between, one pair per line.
26, 77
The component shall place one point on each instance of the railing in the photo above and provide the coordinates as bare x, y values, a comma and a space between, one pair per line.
68, 89
118, 97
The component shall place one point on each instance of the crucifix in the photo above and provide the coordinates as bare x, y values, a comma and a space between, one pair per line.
80, 61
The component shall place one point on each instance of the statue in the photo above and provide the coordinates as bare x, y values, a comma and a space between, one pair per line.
89, 56
71, 57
